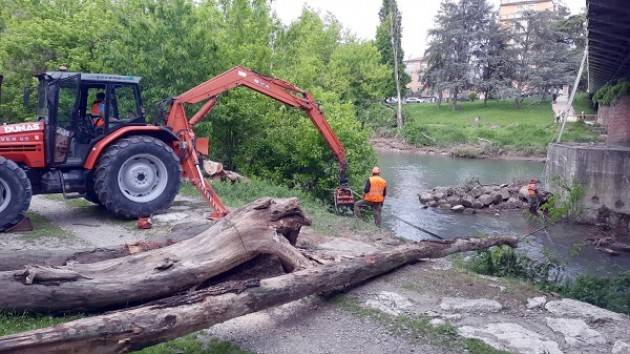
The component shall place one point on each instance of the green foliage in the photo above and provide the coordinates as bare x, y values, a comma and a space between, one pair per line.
610, 93
239, 194
386, 32
177, 44
15, 322
192, 345
565, 204
582, 103
611, 293
473, 96
505, 261
527, 130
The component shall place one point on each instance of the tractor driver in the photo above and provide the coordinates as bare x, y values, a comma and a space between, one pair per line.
98, 110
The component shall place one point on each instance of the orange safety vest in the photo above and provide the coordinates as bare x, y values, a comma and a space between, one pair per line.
377, 188
532, 188
96, 111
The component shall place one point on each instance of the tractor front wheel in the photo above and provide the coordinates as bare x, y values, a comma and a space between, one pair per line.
15, 194
137, 176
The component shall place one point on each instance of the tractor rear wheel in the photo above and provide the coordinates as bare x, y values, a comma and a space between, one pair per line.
90, 193
15, 194
137, 176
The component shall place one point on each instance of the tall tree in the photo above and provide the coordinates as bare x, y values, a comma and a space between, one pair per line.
459, 32
388, 41
541, 56
491, 59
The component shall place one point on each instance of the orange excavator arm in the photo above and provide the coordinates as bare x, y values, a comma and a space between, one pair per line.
209, 91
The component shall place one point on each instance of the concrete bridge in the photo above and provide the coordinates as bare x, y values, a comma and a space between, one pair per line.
603, 170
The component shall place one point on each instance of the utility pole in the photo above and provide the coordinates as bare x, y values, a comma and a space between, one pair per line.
399, 118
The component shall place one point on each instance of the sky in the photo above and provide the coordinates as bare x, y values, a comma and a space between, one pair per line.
361, 17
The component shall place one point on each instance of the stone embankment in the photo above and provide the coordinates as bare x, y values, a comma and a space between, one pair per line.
473, 197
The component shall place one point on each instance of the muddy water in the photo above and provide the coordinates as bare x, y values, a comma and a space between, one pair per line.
409, 173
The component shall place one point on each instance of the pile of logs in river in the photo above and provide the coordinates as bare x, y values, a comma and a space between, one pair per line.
139, 295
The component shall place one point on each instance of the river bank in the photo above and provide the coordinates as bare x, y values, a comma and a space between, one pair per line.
432, 306
480, 151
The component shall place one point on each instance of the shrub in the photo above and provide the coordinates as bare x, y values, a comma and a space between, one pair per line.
473, 96
610, 93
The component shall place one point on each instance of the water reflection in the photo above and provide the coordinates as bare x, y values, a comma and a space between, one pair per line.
408, 174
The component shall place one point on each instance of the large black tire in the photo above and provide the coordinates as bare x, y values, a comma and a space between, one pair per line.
15, 193
90, 193
137, 176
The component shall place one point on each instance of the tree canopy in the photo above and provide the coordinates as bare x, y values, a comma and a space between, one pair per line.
177, 44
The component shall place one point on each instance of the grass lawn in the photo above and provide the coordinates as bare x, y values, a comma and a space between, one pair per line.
527, 130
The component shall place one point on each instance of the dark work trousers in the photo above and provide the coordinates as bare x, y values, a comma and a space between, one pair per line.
376, 207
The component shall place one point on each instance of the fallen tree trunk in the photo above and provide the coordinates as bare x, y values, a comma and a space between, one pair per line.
262, 227
173, 317
12, 259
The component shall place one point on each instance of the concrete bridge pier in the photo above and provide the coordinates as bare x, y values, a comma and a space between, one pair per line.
603, 171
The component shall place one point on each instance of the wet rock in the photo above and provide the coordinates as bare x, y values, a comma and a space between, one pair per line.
486, 199
470, 211
504, 185
511, 337
389, 302
575, 308
621, 348
458, 208
469, 305
445, 206
450, 192
433, 204
453, 200
438, 195
477, 191
467, 201
497, 198
425, 197
505, 194
576, 332
487, 189
169, 218
477, 204
536, 302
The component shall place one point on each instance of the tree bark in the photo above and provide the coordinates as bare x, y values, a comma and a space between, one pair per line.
173, 317
262, 227
13, 259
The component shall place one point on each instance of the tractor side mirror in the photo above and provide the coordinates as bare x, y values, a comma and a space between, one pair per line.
26, 96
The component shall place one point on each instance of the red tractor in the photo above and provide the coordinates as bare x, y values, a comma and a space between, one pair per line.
115, 158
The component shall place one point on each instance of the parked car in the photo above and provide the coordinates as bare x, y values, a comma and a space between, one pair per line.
413, 100
391, 100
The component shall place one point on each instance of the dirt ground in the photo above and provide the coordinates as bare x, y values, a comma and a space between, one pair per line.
427, 307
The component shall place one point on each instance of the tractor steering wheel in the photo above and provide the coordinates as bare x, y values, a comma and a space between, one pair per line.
85, 129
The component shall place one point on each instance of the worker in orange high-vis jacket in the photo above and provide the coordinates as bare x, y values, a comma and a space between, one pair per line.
374, 194
98, 110
533, 196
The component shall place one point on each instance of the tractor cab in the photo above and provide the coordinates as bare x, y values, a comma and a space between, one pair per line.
79, 109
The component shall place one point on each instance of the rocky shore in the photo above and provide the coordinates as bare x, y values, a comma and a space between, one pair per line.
473, 197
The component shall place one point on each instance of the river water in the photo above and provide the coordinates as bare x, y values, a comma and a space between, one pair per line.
410, 173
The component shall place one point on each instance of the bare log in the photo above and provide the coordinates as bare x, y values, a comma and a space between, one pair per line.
262, 227
12, 259
173, 317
